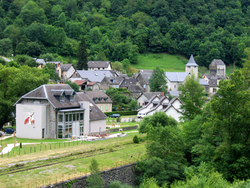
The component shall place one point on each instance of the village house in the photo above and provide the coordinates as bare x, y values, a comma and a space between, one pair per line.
160, 103
99, 65
57, 111
111, 81
41, 63
101, 100
66, 71
217, 72
133, 86
144, 98
143, 78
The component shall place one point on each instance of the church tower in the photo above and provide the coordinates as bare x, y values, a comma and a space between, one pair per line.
192, 67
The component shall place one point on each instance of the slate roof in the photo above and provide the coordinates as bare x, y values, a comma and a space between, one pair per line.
94, 76
54, 62
218, 62
65, 67
134, 89
128, 82
114, 80
146, 74
176, 76
203, 82
208, 76
98, 95
175, 93
40, 61
98, 64
191, 61
213, 82
95, 113
149, 95
51, 91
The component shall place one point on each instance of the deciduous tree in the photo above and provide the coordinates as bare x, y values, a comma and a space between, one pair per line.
192, 95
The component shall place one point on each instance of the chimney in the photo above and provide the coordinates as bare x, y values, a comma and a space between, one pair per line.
162, 93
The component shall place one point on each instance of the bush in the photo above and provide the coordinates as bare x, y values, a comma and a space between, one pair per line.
136, 139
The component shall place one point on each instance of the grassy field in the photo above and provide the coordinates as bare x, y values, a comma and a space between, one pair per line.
119, 151
167, 62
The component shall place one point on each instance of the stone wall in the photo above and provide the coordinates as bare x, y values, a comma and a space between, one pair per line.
124, 174
123, 128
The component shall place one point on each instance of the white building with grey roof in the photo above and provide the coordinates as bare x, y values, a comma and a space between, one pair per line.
56, 111
99, 65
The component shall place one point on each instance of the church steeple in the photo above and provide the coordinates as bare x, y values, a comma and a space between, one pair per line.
192, 66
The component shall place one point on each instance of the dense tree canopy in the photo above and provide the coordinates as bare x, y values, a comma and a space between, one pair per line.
157, 81
122, 29
14, 83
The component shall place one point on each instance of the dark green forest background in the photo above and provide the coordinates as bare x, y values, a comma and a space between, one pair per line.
119, 29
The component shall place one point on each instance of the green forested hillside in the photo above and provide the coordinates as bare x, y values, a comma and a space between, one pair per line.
119, 29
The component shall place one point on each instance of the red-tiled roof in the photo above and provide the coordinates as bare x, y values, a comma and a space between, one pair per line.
79, 82
91, 83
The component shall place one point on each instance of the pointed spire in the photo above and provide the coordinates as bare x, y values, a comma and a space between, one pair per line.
191, 61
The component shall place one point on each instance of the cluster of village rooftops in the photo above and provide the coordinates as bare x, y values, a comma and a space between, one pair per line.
57, 111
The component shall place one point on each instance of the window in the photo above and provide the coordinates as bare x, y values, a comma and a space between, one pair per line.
60, 118
81, 116
72, 98
101, 108
62, 98
107, 107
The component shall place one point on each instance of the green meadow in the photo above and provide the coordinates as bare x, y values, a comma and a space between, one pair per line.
167, 62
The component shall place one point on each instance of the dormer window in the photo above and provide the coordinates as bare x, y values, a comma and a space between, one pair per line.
62, 98
72, 97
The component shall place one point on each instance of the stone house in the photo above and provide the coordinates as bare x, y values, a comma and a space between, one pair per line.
133, 86
67, 70
99, 65
56, 111
143, 78
111, 81
41, 63
217, 72
93, 86
101, 100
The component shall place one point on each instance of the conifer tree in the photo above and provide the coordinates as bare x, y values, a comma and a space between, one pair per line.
82, 55
94, 180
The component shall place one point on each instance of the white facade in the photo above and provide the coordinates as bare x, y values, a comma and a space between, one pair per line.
171, 108
32, 121
192, 70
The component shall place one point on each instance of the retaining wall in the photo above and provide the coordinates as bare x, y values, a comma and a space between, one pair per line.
124, 174
123, 128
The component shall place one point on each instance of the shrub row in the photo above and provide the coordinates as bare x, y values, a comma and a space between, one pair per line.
122, 113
